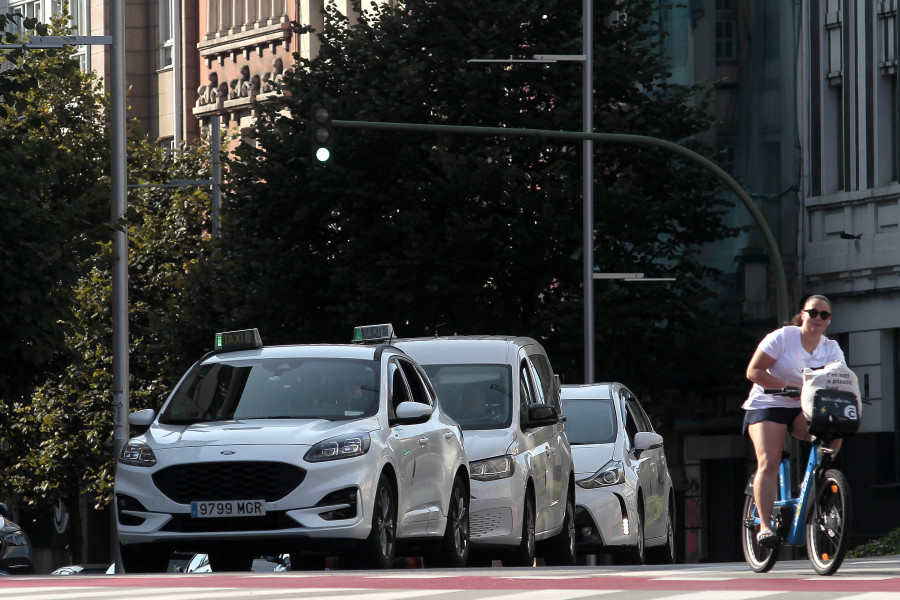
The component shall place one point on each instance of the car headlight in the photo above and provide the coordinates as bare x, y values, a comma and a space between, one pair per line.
15, 538
612, 473
137, 454
336, 448
489, 469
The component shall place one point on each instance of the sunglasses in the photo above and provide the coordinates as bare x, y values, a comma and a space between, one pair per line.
814, 312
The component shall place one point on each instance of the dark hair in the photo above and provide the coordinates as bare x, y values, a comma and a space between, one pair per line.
798, 318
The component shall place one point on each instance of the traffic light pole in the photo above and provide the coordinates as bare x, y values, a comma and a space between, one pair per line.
782, 306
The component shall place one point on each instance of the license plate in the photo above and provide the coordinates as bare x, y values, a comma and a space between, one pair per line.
228, 508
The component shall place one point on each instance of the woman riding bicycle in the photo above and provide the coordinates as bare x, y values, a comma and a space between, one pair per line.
778, 362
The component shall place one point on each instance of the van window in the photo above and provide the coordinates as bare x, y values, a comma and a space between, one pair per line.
477, 396
526, 391
544, 379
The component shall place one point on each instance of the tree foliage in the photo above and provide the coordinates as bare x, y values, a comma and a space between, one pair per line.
55, 188
57, 417
69, 415
445, 233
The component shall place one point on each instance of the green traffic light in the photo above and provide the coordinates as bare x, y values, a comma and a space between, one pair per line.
323, 154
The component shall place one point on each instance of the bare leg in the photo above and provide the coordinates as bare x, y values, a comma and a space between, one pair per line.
768, 442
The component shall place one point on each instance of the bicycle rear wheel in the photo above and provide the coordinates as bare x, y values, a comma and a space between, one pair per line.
760, 558
828, 530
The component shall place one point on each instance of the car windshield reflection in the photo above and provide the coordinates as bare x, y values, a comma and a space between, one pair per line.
590, 421
475, 396
276, 388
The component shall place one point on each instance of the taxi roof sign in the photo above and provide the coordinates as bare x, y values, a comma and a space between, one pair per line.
372, 333
244, 339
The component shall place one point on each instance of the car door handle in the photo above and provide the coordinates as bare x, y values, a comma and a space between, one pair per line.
448, 434
423, 441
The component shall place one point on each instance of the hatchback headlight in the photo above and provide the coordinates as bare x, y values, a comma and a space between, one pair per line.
336, 448
612, 473
137, 454
489, 469
15, 539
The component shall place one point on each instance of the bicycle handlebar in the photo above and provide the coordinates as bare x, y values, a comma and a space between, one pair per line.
789, 390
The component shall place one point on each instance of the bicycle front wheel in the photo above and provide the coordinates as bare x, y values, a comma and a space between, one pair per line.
828, 530
760, 558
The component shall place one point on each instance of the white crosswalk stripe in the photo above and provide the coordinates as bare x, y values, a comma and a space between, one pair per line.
198, 593
720, 595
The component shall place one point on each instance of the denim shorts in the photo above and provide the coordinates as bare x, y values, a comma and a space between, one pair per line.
777, 414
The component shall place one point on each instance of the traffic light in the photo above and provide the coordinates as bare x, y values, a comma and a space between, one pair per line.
321, 134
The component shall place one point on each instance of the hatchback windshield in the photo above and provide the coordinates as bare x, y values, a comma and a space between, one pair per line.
276, 388
476, 396
590, 421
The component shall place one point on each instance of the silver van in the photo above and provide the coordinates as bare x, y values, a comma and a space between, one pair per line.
504, 394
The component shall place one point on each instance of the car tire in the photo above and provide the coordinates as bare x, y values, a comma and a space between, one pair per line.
379, 549
560, 549
523, 555
638, 553
223, 561
665, 554
454, 548
144, 559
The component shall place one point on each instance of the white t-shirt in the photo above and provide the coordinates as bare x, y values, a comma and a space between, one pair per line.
785, 346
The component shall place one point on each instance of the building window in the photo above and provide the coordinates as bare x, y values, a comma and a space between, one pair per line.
166, 43
834, 41
726, 31
725, 41
887, 62
78, 11
28, 9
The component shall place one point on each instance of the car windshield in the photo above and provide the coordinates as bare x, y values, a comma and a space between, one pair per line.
475, 396
276, 388
590, 421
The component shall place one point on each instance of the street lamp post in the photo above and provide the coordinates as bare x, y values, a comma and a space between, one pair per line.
587, 192
587, 168
118, 184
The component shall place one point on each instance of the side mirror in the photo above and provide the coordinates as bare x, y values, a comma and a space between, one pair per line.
409, 413
142, 418
541, 415
647, 440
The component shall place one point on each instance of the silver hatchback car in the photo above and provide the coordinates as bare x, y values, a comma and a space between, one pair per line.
503, 393
625, 500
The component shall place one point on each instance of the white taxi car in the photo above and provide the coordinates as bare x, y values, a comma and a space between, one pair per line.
503, 392
625, 500
312, 450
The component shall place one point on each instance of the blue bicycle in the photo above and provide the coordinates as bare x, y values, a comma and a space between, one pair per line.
818, 517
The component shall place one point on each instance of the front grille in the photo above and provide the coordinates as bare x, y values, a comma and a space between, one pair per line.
484, 523
239, 480
272, 521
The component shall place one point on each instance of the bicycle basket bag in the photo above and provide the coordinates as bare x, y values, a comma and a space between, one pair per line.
831, 401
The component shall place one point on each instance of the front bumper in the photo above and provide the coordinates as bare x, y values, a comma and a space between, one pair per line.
332, 502
495, 512
602, 519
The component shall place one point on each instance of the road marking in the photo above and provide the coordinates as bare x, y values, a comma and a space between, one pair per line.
685, 578
551, 595
193, 593
720, 595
